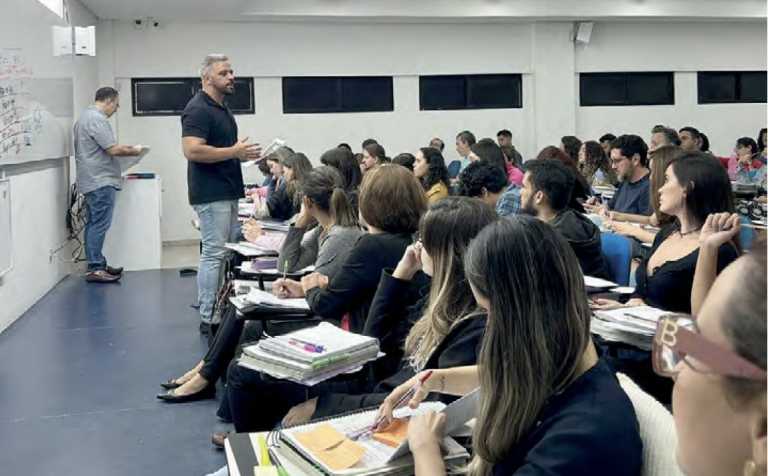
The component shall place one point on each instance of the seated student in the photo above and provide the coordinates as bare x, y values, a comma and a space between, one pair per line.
442, 330
617, 222
429, 167
595, 166
263, 190
485, 181
571, 145
547, 187
695, 186
549, 405
286, 201
438, 144
374, 155
629, 156
605, 142
327, 246
390, 230
718, 362
746, 158
405, 159
580, 188
345, 162
487, 149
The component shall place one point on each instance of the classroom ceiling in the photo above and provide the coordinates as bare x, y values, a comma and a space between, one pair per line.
449, 11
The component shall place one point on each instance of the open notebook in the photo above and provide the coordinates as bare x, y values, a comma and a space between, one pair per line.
370, 457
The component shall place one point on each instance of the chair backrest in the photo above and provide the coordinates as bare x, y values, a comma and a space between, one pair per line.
746, 235
454, 168
657, 430
618, 253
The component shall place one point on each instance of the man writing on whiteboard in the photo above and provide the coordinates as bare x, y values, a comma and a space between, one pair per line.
98, 176
214, 175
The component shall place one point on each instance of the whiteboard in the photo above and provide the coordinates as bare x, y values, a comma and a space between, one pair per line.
36, 87
6, 244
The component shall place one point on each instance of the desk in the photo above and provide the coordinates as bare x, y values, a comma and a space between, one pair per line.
134, 240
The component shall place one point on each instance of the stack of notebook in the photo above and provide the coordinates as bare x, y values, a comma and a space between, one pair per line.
312, 355
631, 325
324, 448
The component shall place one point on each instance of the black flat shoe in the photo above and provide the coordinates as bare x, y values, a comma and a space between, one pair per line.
207, 393
170, 384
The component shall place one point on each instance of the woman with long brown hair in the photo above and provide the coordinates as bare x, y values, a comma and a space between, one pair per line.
595, 166
548, 403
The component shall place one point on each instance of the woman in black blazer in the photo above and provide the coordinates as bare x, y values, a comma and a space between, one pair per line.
391, 205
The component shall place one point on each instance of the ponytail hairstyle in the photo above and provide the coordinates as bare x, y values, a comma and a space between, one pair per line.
325, 187
446, 230
300, 167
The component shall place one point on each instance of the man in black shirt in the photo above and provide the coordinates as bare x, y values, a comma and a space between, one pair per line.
214, 176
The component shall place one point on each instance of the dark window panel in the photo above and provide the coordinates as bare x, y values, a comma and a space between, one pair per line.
494, 91
443, 92
753, 87
719, 87
169, 96
307, 95
626, 89
367, 94
603, 89
650, 89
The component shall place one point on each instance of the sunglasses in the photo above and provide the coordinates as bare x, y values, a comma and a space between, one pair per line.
678, 342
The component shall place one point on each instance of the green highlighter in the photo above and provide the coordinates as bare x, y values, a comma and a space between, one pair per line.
280, 470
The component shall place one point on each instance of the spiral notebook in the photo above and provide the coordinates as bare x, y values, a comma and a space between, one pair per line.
375, 458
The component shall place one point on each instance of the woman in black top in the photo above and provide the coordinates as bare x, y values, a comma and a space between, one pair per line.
696, 185
442, 330
548, 404
391, 204
286, 202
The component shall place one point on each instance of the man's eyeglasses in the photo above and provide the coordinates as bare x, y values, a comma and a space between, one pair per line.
678, 342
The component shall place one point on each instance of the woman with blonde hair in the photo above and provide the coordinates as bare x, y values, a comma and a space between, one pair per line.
548, 403
442, 329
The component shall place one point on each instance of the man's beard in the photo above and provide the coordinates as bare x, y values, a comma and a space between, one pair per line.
527, 207
227, 89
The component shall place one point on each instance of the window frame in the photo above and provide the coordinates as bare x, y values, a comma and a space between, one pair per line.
627, 78
192, 84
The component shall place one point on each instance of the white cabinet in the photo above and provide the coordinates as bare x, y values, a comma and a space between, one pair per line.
134, 240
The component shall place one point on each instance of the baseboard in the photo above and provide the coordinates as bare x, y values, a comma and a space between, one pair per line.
170, 244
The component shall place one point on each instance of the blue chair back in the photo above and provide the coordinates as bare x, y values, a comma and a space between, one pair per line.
454, 168
618, 253
746, 235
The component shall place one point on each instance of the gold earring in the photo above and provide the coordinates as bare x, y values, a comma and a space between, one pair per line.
750, 468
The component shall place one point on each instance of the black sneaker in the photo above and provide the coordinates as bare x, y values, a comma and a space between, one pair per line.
204, 328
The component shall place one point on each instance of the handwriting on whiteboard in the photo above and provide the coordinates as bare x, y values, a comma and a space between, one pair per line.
20, 120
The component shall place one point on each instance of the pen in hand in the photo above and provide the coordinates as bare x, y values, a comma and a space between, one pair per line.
285, 272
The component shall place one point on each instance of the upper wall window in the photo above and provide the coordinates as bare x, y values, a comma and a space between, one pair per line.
316, 95
476, 91
719, 87
169, 96
626, 89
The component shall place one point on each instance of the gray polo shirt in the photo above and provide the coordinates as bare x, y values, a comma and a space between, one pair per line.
95, 167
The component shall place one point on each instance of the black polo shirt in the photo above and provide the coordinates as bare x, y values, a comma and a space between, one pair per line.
205, 118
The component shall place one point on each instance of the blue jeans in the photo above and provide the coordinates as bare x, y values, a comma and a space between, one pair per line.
99, 207
217, 226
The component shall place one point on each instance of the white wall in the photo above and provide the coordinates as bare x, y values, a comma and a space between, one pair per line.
542, 52
39, 196
685, 49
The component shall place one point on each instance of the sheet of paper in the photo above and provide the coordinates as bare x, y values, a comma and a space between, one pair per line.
591, 282
321, 438
343, 456
257, 296
270, 149
128, 162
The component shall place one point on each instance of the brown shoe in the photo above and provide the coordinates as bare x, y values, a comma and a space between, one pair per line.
101, 276
218, 439
114, 271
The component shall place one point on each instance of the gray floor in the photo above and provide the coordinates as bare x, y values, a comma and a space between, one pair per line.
80, 370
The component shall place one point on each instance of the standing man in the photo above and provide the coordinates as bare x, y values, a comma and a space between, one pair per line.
97, 177
214, 175
504, 138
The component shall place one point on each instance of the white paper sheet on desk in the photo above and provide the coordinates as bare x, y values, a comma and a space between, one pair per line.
591, 282
259, 297
128, 162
